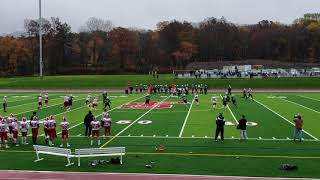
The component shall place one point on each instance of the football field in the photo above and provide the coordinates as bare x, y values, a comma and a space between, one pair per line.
185, 130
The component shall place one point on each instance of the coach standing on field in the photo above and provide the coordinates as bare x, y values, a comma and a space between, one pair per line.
298, 127
220, 127
87, 122
242, 126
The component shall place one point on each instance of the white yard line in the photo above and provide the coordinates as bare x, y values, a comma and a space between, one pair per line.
234, 118
309, 98
194, 137
101, 113
63, 113
44, 108
25, 98
186, 119
284, 118
301, 106
35, 102
133, 122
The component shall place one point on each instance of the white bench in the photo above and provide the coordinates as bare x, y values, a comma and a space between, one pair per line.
53, 151
97, 152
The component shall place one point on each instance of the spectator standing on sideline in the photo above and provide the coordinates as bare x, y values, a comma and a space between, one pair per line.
298, 127
4, 103
87, 122
242, 126
220, 127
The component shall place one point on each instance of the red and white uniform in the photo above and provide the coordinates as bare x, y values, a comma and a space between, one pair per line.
95, 128
196, 98
46, 99
45, 127
105, 114
40, 100
35, 127
95, 102
10, 119
64, 129
24, 128
52, 129
66, 101
214, 100
88, 99
3, 131
106, 122
15, 129
107, 125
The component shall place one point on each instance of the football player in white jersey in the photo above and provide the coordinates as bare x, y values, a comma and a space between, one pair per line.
24, 125
3, 133
95, 124
214, 102
64, 131
106, 123
46, 99
15, 131
196, 99
40, 102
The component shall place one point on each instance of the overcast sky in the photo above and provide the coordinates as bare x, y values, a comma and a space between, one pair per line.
147, 13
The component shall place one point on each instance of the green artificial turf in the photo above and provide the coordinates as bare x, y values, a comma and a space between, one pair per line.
195, 152
121, 82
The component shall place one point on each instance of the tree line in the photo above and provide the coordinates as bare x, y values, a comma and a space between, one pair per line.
100, 47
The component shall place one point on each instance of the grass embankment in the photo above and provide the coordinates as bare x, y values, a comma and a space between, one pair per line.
121, 81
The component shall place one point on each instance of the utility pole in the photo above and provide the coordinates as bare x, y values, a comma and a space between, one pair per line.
40, 41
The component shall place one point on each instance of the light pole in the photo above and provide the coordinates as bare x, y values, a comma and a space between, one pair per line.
40, 40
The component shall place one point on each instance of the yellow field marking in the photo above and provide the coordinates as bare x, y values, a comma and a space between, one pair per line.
15, 151
197, 154
227, 155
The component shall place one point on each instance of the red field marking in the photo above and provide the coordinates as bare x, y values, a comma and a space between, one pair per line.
28, 175
141, 105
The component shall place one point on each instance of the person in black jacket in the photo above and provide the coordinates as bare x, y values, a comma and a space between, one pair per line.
70, 101
34, 114
220, 127
87, 122
242, 126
